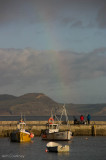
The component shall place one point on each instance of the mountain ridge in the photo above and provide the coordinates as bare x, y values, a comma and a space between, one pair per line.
40, 104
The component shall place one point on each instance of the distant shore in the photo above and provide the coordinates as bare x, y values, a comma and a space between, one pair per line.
45, 118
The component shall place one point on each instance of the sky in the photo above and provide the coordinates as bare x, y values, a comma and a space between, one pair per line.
55, 47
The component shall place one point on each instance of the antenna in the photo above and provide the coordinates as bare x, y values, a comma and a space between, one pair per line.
24, 118
21, 116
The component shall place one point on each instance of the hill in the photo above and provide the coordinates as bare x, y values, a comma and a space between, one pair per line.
28, 104
40, 104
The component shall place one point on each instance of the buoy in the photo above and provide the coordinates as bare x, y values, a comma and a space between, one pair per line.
50, 120
46, 150
31, 135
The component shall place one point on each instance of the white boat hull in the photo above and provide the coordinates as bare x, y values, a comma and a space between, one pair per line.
56, 147
64, 135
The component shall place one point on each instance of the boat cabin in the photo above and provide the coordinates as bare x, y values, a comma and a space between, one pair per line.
51, 128
21, 125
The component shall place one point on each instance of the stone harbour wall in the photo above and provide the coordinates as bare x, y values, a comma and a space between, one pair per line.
96, 128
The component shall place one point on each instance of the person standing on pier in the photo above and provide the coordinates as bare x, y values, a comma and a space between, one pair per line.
82, 119
88, 118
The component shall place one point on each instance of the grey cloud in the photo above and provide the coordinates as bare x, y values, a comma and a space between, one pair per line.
28, 66
31, 11
77, 24
67, 20
85, 14
101, 18
72, 22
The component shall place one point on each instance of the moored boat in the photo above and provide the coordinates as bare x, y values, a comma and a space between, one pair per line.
21, 135
52, 131
56, 147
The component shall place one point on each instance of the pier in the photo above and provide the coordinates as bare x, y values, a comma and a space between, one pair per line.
96, 128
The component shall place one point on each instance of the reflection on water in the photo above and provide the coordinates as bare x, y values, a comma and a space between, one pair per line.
64, 153
84, 148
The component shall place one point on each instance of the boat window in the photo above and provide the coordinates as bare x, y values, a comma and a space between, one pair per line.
22, 126
50, 126
54, 126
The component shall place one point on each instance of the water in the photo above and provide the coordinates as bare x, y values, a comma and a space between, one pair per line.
45, 118
84, 148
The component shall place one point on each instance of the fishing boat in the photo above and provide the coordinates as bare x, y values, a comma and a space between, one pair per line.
21, 135
52, 131
56, 147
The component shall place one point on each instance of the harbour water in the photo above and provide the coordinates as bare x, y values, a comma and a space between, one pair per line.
84, 148
44, 118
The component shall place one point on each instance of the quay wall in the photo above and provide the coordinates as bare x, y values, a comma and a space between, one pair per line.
96, 128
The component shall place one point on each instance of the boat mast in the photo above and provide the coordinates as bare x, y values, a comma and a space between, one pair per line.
64, 112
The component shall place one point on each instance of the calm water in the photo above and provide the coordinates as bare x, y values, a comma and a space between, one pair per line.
93, 148
45, 118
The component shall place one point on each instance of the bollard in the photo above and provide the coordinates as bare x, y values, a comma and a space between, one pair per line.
94, 130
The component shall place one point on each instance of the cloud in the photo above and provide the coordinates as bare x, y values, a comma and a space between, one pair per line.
29, 11
77, 24
101, 18
67, 20
27, 66
34, 11
72, 22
